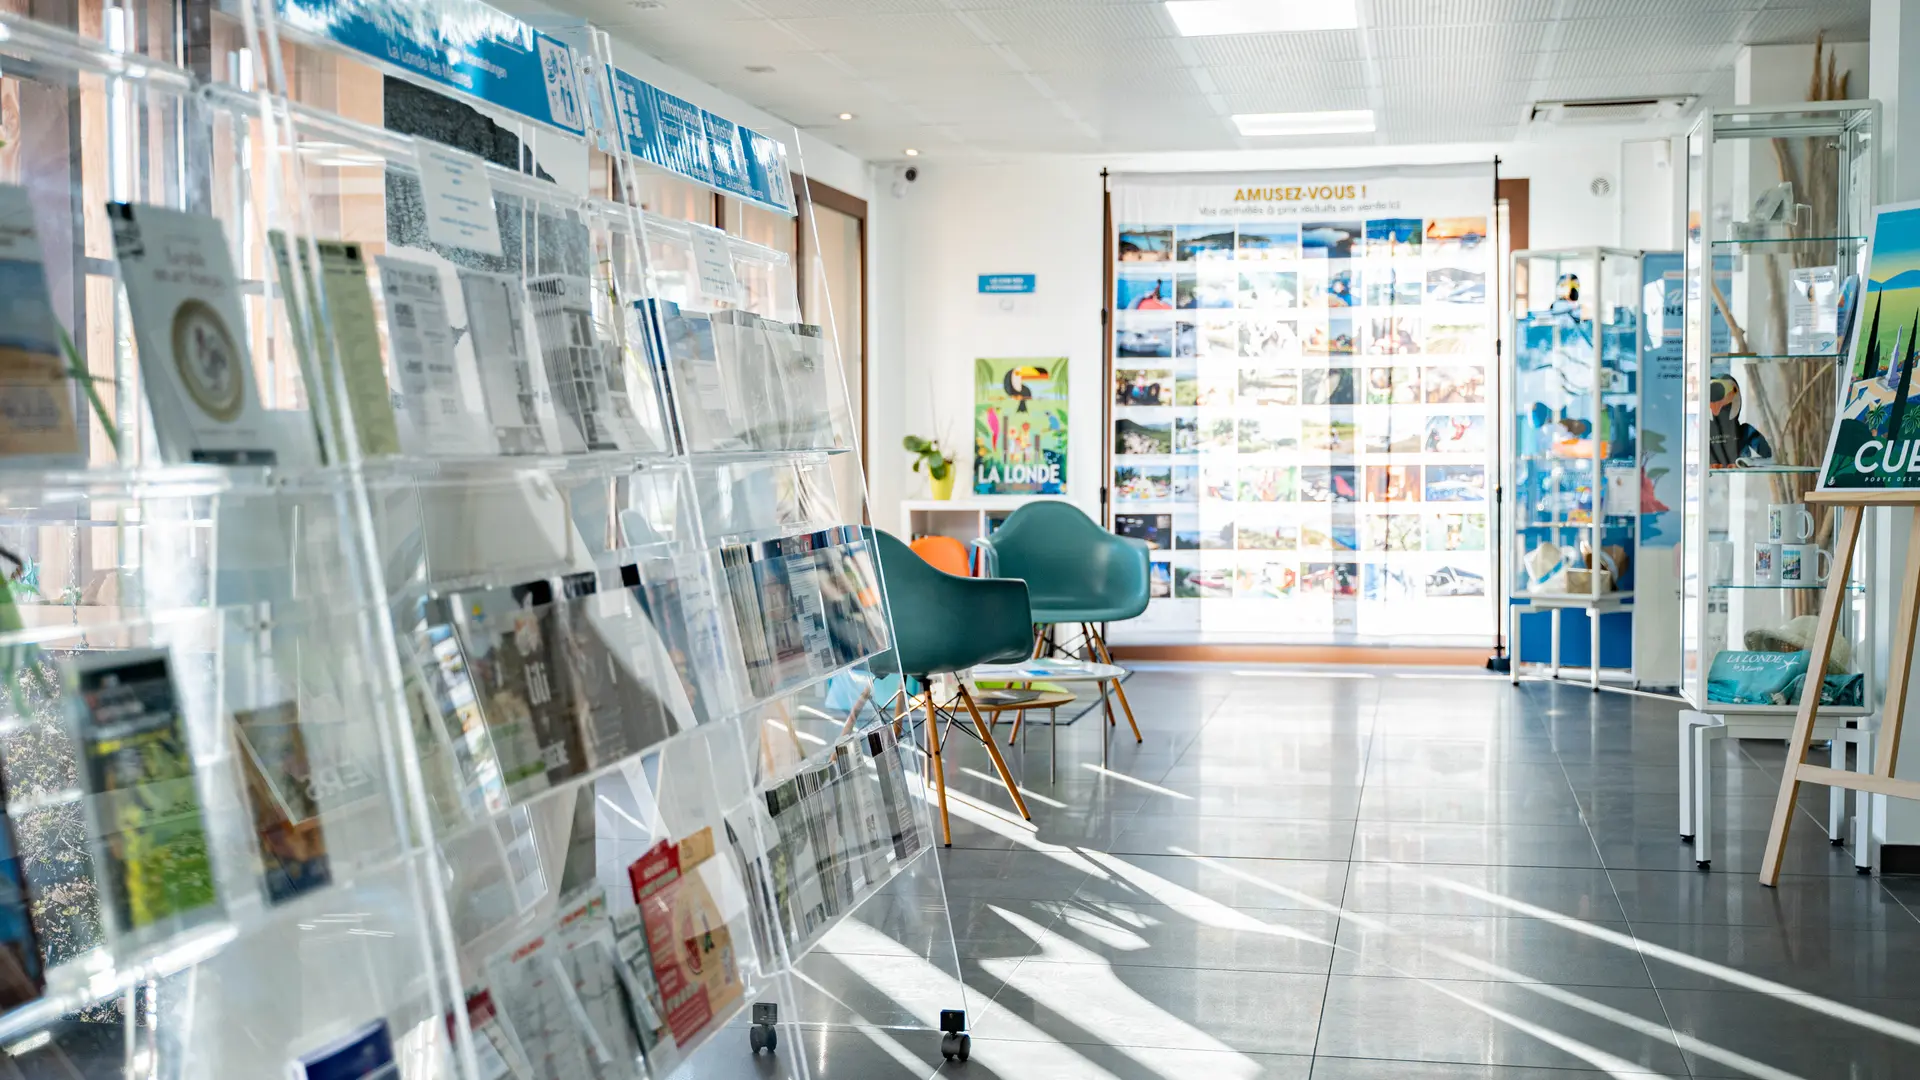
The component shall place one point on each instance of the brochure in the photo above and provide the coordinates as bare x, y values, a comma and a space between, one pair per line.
691, 945
185, 301
584, 369
449, 686
636, 974
350, 330
509, 637
156, 876
515, 388
676, 597
585, 938
433, 414
603, 643
895, 797
495, 1048
286, 815
536, 993
699, 391
367, 1054
37, 427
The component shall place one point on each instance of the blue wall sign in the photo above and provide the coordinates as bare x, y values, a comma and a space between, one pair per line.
1007, 283
462, 44
688, 141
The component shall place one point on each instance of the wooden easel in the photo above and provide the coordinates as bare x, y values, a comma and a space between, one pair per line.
1852, 507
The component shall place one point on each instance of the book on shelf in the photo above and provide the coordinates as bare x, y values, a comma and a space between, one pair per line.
280, 790
143, 801
514, 386
694, 957
365, 1054
433, 415
185, 301
37, 423
344, 329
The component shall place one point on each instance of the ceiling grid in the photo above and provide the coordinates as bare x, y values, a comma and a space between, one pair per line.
975, 78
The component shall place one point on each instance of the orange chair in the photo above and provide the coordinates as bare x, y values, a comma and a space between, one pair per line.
944, 553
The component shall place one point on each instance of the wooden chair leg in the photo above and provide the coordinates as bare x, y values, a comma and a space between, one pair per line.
1018, 719
853, 715
999, 763
1119, 691
939, 771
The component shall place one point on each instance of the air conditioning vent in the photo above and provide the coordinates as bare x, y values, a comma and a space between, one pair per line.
1609, 111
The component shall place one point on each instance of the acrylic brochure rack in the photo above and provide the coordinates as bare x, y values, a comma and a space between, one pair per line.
556, 661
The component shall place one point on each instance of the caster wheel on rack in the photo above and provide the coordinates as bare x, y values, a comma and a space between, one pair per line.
1837, 841
1704, 865
1686, 838
956, 1046
763, 1038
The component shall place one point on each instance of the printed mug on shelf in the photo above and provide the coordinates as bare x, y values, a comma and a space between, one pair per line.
1789, 523
1800, 564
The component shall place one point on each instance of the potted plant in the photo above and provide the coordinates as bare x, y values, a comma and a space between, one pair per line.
939, 466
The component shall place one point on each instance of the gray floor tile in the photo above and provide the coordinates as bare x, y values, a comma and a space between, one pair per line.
1493, 1023
1254, 883
1171, 1008
1495, 845
1236, 837
1496, 891
1020, 874
1807, 959
1811, 902
1000, 1059
1472, 806
1335, 1068
1787, 1035
1477, 948
1203, 935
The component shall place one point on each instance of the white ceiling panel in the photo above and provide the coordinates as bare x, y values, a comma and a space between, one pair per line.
963, 78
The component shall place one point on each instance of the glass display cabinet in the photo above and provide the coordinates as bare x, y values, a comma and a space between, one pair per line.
1779, 201
1574, 490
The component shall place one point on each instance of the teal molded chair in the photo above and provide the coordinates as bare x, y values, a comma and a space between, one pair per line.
1076, 572
942, 624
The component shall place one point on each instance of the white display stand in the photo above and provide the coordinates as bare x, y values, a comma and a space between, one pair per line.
965, 518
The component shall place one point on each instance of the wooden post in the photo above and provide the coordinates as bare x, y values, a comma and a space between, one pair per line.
1852, 507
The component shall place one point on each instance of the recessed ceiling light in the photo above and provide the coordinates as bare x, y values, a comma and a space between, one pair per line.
1336, 122
911, 152
1200, 18
846, 116
760, 69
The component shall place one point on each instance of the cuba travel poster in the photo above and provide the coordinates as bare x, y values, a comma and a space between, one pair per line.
1020, 427
1876, 444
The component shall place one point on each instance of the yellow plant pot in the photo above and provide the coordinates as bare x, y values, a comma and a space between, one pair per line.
943, 489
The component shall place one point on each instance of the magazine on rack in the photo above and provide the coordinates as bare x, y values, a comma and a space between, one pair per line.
344, 331
37, 428
280, 788
366, 1054
448, 685
496, 1049
681, 345
896, 799
674, 596
801, 556
694, 958
750, 618
759, 409
152, 857
576, 362
518, 399
185, 302
509, 637
636, 975
433, 414
609, 654
534, 990
585, 938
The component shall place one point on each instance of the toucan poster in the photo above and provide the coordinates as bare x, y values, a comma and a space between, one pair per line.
1020, 427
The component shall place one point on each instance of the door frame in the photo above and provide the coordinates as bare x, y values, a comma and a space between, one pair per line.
809, 193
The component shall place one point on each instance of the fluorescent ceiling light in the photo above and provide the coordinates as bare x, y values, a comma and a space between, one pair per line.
1201, 18
1336, 122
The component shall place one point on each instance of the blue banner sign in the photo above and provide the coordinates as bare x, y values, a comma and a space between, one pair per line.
688, 141
1007, 283
462, 44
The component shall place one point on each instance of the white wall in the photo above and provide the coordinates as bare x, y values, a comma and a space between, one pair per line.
1042, 215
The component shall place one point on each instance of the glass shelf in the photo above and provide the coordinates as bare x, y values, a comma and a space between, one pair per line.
1790, 240
1775, 357
1856, 587
1765, 470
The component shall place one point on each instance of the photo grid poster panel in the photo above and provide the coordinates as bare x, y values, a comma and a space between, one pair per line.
1302, 427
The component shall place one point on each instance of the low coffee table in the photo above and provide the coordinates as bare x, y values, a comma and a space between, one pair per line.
1058, 671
